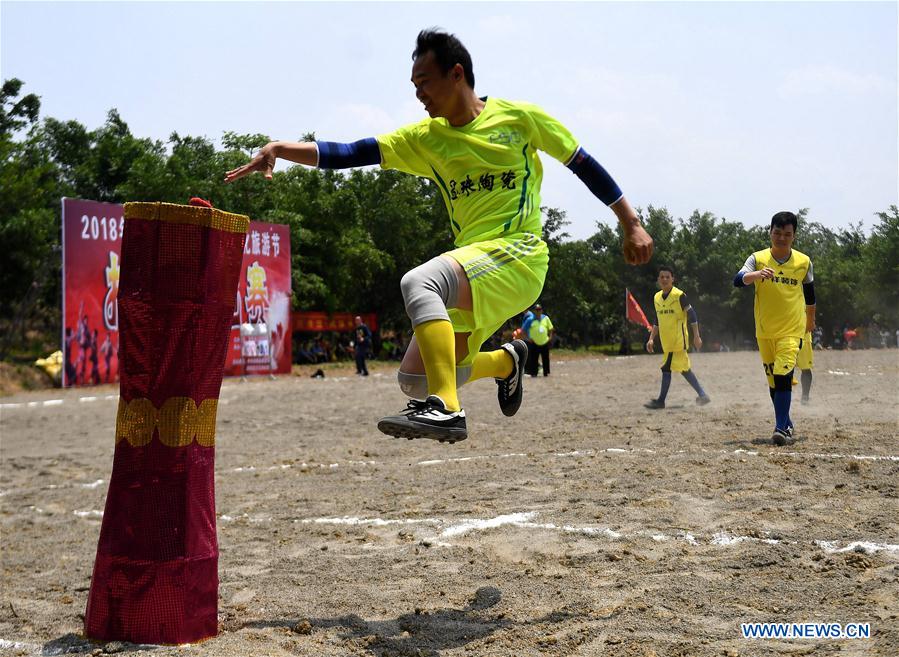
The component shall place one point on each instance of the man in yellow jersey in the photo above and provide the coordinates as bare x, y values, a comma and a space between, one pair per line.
672, 312
481, 152
784, 313
540, 335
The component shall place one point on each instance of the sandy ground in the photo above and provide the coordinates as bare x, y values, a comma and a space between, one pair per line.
586, 525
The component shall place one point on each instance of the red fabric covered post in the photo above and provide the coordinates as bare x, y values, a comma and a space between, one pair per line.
156, 573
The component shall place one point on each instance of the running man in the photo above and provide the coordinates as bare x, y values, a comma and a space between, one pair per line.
783, 279
481, 152
672, 312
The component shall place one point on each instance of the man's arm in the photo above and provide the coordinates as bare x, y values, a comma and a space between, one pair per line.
808, 291
300, 152
650, 344
322, 154
748, 274
693, 320
637, 242
694, 324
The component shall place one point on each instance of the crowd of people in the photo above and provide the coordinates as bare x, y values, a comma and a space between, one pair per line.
360, 345
82, 351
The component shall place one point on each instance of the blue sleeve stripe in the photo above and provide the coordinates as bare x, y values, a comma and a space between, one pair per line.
333, 155
595, 177
738, 279
691, 315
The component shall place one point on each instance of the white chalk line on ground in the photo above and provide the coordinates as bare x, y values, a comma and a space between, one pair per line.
577, 453
58, 402
38, 649
524, 520
448, 528
81, 400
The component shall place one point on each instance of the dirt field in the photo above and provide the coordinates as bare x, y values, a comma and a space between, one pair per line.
586, 525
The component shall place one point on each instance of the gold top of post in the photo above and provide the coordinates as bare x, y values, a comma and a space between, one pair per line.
189, 214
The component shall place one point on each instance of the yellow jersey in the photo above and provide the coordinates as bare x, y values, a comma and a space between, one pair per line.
672, 319
488, 170
779, 301
539, 330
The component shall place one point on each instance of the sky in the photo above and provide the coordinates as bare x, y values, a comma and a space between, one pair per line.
738, 109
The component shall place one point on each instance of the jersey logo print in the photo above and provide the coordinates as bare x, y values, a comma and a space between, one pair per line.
504, 137
524, 189
456, 227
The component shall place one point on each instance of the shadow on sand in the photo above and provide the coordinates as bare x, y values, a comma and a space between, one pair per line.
422, 633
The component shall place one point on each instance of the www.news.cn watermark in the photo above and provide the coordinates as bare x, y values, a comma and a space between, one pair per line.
806, 630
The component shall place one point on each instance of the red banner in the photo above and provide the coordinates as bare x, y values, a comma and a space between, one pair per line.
312, 321
91, 244
263, 297
635, 312
92, 236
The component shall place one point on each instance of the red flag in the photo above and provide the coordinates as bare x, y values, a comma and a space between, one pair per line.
635, 312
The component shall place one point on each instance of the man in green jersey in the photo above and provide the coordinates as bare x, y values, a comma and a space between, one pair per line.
540, 334
481, 152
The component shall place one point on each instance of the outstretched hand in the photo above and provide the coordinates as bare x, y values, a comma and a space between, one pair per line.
264, 162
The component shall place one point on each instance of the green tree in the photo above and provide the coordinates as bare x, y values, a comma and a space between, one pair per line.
29, 198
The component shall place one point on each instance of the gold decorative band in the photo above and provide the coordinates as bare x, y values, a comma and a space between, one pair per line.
178, 421
188, 214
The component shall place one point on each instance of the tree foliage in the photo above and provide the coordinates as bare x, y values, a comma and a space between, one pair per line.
353, 234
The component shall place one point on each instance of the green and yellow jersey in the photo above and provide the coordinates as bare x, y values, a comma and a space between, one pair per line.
779, 301
539, 329
672, 319
488, 170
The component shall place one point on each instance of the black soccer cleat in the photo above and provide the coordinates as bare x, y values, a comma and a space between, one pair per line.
426, 419
783, 437
509, 390
654, 404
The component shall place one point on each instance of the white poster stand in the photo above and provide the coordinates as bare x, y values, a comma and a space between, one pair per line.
256, 348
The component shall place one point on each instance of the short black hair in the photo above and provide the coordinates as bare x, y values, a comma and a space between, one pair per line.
447, 49
668, 269
784, 219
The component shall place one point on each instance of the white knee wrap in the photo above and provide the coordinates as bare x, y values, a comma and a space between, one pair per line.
429, 289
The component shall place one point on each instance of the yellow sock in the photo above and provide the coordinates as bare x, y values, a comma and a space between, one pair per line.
437, 344
497, 364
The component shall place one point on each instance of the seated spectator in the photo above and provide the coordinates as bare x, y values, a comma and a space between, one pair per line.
318, 352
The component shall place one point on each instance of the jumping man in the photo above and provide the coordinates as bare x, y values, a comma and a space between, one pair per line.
482, 154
